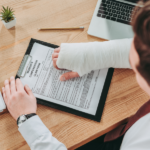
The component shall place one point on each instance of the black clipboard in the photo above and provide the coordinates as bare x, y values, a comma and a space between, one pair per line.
98, 115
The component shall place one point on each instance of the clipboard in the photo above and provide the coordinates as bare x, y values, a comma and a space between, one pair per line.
97, 117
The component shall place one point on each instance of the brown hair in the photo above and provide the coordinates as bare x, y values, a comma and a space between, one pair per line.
141, 28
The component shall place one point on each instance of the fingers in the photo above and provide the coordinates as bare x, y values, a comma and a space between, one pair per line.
57, 50
7, 89
54, 63
12, 85
28, 90
19, 85
55, 55
68, 75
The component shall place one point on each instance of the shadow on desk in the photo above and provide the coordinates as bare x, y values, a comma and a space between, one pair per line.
4, 111
98, 144
93, 145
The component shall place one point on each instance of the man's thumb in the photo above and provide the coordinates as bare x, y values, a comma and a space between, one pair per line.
68, 75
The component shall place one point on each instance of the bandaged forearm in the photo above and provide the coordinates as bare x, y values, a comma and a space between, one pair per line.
85, 57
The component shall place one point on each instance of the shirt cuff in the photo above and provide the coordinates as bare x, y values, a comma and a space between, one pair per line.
32, 128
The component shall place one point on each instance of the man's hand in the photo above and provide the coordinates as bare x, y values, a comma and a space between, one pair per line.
18, 98
65, 76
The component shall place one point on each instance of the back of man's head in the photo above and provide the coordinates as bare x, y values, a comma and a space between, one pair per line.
141, 28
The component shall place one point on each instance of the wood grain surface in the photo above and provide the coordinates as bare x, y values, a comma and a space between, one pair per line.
124, 97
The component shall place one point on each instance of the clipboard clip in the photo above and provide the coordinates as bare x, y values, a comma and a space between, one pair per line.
24, 66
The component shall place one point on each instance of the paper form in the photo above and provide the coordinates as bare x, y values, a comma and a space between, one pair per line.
2, 103
82, 93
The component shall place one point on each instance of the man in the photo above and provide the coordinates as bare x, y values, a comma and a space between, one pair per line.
81, 58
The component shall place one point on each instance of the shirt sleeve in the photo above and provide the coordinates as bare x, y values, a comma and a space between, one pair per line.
85, 57
38, 136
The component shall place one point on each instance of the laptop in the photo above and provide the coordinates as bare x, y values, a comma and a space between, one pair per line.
112, 19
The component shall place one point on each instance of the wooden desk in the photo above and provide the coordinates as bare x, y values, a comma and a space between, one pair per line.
124, 97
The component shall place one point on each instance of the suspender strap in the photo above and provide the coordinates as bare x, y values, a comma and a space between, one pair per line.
121, 130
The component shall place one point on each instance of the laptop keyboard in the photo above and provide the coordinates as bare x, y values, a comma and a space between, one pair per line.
117, 11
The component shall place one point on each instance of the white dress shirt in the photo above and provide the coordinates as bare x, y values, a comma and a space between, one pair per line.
38, 136
138, 135
82, 58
